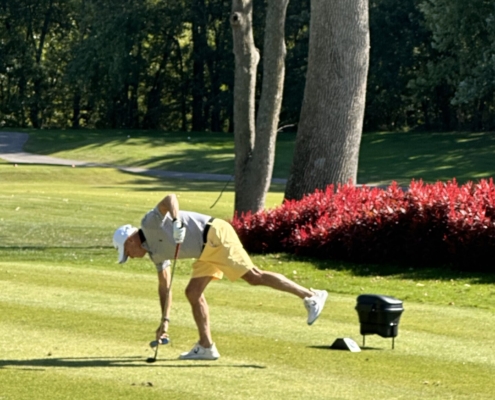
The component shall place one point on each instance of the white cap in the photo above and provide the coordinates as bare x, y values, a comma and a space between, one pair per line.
119, 238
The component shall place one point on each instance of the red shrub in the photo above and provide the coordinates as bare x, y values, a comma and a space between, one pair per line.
470, 236
268, 231
428, 223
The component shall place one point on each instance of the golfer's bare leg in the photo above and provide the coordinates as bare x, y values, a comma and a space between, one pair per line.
200, 310
277, 281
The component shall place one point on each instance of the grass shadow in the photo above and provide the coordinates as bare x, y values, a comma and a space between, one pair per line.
155, 183
329, 347
431, 156
398, 271
90, 362
466, 156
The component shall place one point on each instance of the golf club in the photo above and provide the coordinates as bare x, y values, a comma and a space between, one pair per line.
156, 343
152, 359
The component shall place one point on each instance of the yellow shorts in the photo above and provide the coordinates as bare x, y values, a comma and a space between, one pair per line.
223, 254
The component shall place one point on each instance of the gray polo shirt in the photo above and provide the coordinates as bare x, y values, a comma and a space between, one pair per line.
160, 243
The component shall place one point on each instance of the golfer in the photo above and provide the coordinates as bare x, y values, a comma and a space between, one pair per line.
218, 251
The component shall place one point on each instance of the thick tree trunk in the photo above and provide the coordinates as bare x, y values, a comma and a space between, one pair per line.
330, 126
255, 146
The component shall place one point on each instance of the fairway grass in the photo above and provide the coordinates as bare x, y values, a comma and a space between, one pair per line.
74, 324
384, 156
65, 328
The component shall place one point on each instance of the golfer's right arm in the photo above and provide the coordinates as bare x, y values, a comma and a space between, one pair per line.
170, 205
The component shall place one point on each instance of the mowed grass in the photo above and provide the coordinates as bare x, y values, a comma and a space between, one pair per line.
384, 156
75, 324
67, 326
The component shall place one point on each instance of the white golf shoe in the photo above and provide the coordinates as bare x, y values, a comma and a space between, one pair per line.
315, 304
199, 352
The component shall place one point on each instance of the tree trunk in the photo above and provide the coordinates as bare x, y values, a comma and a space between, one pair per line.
34, 109
255, 146
184, 110
330, 126
246, 61
200, 50
76, 108
36, 114
213, 104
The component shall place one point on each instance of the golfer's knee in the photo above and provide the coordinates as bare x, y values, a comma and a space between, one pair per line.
193, 295
254, 277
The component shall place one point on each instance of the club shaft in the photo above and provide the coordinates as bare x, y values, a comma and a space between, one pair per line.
176, 256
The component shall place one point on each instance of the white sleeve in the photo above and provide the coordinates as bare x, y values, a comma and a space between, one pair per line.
161, 266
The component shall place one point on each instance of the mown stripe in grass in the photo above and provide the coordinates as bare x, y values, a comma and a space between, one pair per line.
92, 317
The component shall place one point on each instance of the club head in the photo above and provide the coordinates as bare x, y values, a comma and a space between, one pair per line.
155, 343
153, 359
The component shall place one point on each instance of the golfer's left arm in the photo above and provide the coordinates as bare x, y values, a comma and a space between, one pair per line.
165, 297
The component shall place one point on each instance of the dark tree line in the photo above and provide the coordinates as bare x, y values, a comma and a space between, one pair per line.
169, 64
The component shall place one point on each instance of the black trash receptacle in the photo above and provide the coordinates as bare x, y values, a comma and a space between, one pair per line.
379, 314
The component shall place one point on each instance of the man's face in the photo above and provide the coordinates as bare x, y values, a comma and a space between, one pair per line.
133, 248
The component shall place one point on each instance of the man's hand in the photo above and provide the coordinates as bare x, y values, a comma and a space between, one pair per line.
179, 231
161, 332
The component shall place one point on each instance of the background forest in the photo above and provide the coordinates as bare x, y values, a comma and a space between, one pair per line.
149, 64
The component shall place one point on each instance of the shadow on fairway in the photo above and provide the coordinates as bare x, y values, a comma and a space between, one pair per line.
133, 362
329, 347
154, 182
397, 270
216, 150
431, 156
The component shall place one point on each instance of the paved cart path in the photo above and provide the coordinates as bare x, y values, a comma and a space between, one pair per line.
11, 150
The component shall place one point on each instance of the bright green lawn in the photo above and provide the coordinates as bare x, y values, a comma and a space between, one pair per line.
387, 156
74, 331
74, 324
384, 156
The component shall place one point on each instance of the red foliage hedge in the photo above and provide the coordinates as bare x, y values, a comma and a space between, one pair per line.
441, 223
